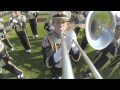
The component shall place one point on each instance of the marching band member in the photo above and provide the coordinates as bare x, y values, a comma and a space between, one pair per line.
51, 45
79, 20
3, 35
48, 24
111, 52
18, 22
32, 17
7, 62
77, 16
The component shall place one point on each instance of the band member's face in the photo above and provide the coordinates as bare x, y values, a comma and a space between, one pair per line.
17, 13
60, 25
13, 14
117, 32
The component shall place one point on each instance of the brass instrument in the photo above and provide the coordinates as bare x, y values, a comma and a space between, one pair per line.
99, 33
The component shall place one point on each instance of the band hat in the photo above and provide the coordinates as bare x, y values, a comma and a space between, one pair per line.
64, 15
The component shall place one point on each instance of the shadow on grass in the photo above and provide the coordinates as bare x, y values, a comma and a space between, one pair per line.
8, 76
113, 73
31, 63
79, 67
32, 69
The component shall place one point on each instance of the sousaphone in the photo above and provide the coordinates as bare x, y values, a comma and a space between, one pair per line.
100, 29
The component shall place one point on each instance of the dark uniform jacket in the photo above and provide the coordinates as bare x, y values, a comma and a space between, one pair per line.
51, 43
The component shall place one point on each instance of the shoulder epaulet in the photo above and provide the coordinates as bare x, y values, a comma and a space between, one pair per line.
50, 39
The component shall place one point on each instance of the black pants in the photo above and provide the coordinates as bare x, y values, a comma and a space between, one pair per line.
84, 41
102, 58
115, 61
77, 29
9, 65
24, 39
7, 42
33, 25
56, 72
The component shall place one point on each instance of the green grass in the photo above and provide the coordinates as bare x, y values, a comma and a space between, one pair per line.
6, 18
33, 66
43, 12
43, 16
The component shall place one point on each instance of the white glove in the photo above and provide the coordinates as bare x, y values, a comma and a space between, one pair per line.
51, 27
24, 19
68, 39
57, 56
10, 18
1, 26
69, 43
1, 20
75, 49
14, 21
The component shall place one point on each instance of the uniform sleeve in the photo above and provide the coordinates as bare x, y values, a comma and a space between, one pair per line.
10, 22
48, 54
24, 22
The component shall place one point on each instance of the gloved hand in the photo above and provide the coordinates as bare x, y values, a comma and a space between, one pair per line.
51, 27
1, 20
68, 39
57, 55
2, 27
14, 21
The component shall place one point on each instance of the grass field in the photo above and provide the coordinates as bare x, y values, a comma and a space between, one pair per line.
32, 63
